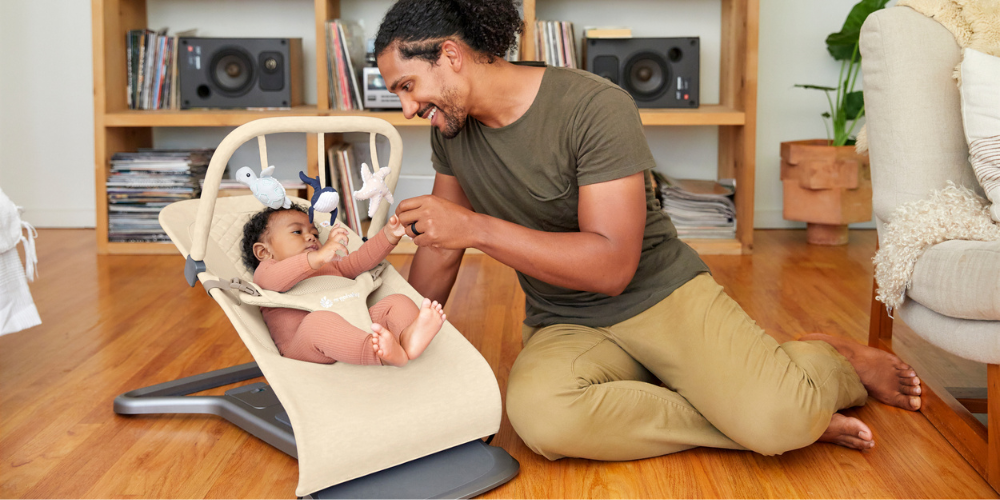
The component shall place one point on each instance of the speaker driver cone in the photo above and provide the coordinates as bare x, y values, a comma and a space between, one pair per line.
232, 71
647, 75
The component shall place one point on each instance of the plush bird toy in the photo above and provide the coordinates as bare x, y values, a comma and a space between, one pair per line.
373, 188
324, 199
265, 188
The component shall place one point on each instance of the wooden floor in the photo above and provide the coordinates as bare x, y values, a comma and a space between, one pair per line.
116, 323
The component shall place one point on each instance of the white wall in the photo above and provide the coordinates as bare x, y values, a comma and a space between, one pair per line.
46, 104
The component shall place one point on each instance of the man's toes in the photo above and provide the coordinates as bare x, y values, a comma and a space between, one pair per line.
911, 390
855, 443
907, 402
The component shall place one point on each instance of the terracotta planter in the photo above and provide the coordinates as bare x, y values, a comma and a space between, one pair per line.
827, 187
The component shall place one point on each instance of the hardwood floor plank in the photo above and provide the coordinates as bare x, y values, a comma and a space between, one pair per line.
117, 323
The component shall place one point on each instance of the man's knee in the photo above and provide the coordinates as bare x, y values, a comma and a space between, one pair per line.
535, 419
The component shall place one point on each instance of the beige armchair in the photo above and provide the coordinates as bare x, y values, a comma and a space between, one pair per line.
917, 144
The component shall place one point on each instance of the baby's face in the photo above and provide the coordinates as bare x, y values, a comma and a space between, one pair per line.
290, 233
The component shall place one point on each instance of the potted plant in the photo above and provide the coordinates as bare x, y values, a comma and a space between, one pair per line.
826, 183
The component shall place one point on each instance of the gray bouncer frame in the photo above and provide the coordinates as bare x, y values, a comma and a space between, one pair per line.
464, 471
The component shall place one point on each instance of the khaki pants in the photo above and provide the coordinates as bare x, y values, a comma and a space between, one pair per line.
577, 391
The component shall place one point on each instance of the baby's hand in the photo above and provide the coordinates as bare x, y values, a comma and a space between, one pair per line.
334, 248
394, 230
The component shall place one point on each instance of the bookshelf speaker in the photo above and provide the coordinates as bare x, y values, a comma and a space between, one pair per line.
239, 72
657, 72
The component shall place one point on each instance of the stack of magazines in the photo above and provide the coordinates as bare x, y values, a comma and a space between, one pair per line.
345, 53
698, 208
555, 44
140, 184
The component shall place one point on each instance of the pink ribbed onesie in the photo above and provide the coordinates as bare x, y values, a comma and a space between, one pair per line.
324, 336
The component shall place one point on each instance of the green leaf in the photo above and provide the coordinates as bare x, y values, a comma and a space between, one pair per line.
826, 114
853, 103
841, 44
817, 87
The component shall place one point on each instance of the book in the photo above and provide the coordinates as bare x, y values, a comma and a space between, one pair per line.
344, 161
352, 41
555, 43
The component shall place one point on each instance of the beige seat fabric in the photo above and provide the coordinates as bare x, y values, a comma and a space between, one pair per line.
352, 420
348, 420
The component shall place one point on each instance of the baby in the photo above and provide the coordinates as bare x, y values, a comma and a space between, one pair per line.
283, 248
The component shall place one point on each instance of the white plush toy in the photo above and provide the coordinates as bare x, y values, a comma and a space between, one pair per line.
373, 188
267, 189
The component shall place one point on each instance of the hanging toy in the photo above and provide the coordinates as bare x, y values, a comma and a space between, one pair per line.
373, 188
324, 199
265, 188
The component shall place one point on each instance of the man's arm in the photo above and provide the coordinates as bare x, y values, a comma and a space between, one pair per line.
434, 270
601, 258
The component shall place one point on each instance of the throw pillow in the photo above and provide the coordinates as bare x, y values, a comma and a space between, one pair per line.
980, 93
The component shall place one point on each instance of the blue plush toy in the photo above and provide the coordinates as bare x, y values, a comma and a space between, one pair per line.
324, 199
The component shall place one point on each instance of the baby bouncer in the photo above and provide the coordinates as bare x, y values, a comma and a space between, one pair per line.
436, 409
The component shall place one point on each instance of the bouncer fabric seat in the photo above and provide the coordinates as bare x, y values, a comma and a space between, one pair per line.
348, 420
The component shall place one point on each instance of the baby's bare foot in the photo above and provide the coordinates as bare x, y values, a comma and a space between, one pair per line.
886, 377
848, 432
386, 347
416, 337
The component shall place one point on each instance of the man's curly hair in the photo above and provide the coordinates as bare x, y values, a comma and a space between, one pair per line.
254, 230
419, 27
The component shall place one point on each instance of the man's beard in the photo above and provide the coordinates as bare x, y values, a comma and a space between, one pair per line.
454, 117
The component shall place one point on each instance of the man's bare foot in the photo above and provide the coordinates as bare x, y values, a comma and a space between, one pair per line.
886, 377
416, 337
386, 347
848, 432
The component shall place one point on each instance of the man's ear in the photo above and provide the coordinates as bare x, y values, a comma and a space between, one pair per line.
452, 55
261, 252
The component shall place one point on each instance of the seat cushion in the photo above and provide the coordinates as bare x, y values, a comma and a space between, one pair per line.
960, 279
969, 339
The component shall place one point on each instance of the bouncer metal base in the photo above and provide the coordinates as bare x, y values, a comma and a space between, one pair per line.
461, 472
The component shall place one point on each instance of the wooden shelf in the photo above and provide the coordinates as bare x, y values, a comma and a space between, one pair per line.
198, 117
237, 117
122, 248
707, 114
118, 129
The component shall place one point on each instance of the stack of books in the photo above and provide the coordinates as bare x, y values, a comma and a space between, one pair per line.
698, 208
345, 53
555, 44
140, 184
151, 61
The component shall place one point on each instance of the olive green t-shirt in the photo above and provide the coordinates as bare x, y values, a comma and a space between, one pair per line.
581, 129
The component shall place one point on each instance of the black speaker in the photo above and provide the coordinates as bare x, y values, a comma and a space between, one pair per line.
657, 72
240, 72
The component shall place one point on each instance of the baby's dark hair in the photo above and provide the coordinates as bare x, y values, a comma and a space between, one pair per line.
255, 228
421, 26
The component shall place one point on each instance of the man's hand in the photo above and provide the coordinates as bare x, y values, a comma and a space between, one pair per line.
394, 230
336, 241
438, 222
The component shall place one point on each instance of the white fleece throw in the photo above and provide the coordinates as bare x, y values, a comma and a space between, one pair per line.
952, 213
17, 310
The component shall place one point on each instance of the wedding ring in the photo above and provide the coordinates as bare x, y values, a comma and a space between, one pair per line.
413, 227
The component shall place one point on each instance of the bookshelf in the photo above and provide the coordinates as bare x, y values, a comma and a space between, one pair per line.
117, 128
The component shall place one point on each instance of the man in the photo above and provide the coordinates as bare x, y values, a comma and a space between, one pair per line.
547, 171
